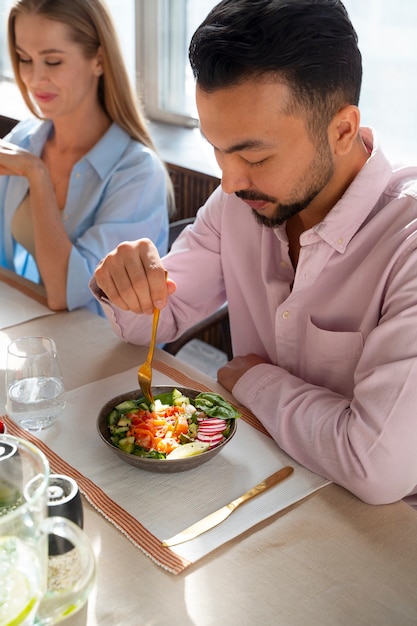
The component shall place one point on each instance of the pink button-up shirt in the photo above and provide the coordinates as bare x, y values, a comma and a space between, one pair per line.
339, 389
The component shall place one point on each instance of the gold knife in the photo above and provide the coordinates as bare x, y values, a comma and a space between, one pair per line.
212, 520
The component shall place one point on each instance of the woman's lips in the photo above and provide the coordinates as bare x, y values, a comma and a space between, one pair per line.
44, 98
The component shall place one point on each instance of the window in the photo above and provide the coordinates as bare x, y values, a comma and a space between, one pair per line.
165, 29
388, 42
155, 35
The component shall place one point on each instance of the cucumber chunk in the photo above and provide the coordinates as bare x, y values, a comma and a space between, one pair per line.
113, 417
126, 406
127, 444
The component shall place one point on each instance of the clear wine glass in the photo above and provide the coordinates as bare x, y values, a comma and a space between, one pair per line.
35, 395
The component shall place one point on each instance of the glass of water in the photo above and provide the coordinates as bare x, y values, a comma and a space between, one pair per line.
34, 387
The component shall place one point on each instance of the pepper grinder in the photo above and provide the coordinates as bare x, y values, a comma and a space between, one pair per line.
64, 500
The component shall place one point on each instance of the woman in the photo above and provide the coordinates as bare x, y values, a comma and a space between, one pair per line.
85, 175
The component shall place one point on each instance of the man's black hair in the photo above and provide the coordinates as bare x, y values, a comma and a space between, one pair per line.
311, 45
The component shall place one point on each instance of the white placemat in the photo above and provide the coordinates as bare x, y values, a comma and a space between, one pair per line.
167, 503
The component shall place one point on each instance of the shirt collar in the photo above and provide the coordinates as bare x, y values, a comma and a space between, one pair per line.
37, 136
102, 157
108, 150
353, 208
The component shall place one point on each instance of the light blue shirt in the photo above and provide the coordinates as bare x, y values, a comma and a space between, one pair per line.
117, 192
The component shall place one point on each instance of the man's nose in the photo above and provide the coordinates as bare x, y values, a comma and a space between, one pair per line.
234, 175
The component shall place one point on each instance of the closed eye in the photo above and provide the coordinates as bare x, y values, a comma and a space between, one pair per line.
28, 61
256, 163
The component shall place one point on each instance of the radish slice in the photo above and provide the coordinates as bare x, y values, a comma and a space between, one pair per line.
219, 424
213, 440
211, 429
207, 436
211, 420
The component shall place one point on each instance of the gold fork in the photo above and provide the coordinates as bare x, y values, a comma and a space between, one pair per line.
145, 370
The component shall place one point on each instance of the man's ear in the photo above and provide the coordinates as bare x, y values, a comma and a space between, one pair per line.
344, 129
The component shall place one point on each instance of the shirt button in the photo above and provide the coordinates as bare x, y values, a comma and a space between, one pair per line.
78, 175
340, 241
284, 264
286, 315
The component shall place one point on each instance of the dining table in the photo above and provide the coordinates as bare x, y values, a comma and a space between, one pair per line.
322, 557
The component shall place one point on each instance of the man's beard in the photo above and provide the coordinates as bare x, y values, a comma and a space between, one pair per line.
321, 171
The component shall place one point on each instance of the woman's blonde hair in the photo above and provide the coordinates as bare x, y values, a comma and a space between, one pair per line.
91, 27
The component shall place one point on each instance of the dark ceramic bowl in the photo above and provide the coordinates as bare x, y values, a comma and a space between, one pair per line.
156, 465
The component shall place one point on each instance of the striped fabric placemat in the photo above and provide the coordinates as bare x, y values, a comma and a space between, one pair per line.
124, 512
114, 513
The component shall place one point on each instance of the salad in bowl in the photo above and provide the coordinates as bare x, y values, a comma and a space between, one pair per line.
181, 429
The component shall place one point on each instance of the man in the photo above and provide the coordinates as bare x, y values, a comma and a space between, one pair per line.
312, 240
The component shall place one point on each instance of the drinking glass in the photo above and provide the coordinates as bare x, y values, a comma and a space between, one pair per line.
35, 395
27, 594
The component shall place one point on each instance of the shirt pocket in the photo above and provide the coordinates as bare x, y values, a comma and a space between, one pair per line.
332, 357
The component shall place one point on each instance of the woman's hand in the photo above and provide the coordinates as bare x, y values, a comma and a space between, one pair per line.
15, 161
133, 278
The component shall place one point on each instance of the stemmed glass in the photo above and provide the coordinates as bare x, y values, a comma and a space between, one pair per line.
35, 395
